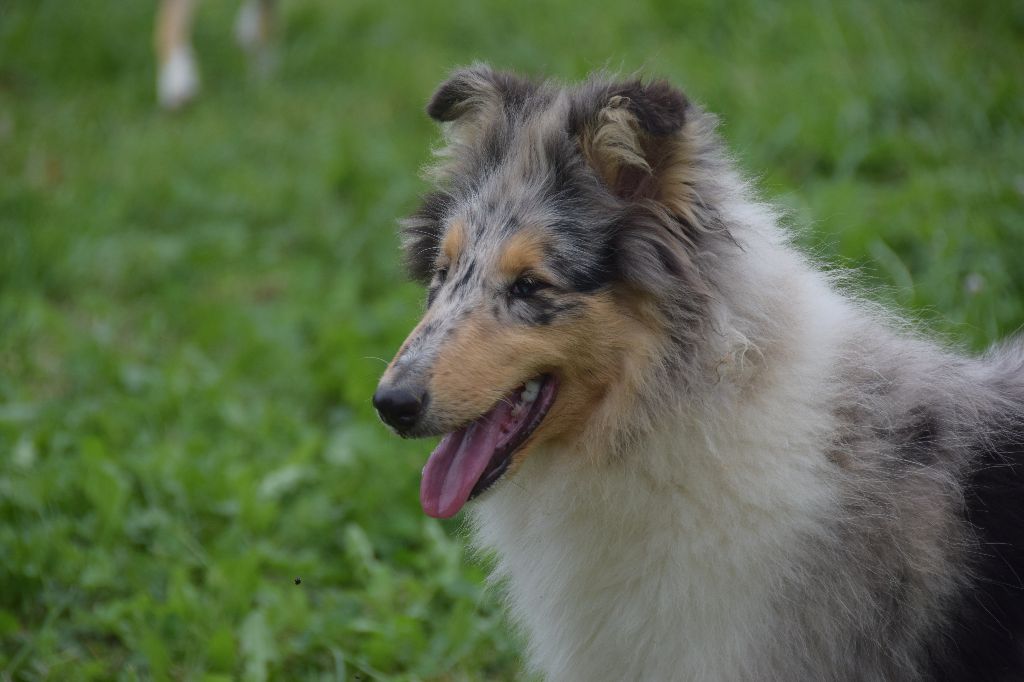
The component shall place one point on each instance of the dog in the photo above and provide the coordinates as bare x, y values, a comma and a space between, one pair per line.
177, 76
697, 455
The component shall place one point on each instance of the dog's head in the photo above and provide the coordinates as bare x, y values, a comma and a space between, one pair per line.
558, 254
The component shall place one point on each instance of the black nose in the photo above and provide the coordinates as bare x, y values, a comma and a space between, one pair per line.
398, 407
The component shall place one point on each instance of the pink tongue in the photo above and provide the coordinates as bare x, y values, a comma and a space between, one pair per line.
459, 461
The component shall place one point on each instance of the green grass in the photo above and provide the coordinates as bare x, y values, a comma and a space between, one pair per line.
193, 307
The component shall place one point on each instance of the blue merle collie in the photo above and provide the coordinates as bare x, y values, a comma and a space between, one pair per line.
694, 456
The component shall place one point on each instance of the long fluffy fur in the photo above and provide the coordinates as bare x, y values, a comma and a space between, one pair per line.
800, 487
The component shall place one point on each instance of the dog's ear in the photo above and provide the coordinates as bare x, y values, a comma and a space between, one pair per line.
475, 104
659, 108
650, 147
629, 131
476, 89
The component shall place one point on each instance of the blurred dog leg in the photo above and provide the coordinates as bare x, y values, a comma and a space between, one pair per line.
254, 31
177, 74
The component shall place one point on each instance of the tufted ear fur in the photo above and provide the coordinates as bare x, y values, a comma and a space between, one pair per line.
630, 138
651, 149
477, 89
659, 108
476, 104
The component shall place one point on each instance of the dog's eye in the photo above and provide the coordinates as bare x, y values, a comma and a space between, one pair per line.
524, 287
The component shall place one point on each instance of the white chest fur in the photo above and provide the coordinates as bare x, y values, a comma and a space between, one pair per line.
615, 574
668, 564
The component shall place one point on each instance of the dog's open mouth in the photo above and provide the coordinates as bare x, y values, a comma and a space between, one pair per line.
471, 459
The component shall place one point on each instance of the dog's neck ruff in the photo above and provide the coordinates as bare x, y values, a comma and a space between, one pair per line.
685, 538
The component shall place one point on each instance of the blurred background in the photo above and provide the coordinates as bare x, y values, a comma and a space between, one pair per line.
194, 307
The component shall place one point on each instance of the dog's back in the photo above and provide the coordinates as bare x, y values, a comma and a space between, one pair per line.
982, 636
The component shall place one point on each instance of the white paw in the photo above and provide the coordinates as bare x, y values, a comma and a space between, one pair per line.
178, 80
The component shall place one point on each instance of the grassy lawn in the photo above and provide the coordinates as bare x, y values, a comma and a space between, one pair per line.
194, 308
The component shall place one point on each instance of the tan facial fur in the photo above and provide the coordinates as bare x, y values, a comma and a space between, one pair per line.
523, 253
599, 357
454, 242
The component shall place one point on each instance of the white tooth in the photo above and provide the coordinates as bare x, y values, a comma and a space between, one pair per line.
531, 390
